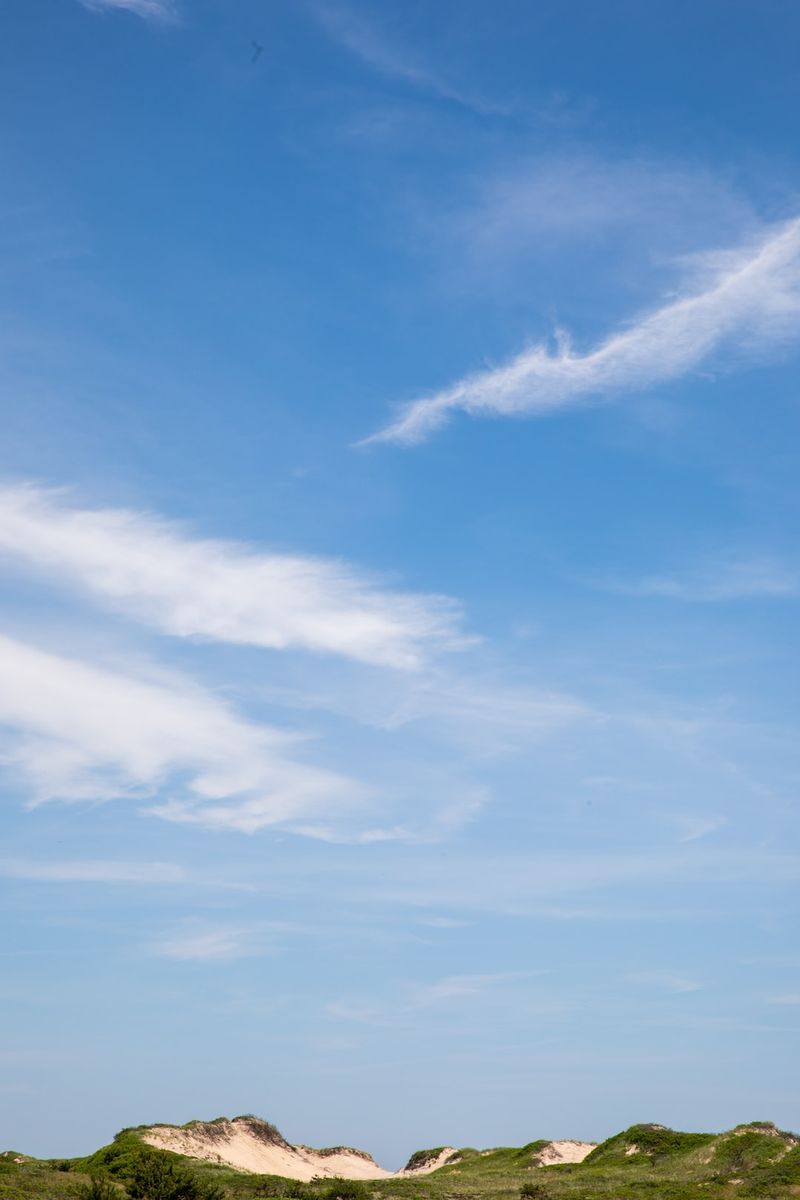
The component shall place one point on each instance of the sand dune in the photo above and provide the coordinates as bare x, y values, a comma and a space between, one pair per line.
253, 1145
563, 1152
250, 1144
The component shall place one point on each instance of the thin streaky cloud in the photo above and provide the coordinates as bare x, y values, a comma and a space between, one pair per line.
789, 998
439, 824
754, 296
478, 712
458, 987
150, 10
693, 828
93, 871
668, 981
361, 38
446, 994
443, 922
210, 943
531, 884
726, 579
152, 570
72, 731
114, 872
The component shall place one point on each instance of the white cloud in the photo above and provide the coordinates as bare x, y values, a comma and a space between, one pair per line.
361, 38
730, 578
74, 731
551, 200
477, 711
460, 987
153, 10
495, 713
790, 998
529, 884
439, 823
92, 871
192, 587
443, 922
751, 294
693, 828
667, 981
446, 995
210, 943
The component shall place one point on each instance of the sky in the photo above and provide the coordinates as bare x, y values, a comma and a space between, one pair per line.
399, 539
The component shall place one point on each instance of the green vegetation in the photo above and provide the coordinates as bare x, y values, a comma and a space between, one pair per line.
645, 1162
533, 1191
645, 1144
98, 1189
156, 1176
420, 1158
345, 1189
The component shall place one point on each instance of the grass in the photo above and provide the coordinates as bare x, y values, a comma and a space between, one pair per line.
645, 1162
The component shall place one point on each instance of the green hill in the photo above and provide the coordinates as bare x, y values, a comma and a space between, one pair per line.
645, 1162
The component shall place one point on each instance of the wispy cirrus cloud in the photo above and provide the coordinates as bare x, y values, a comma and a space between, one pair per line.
454, 988
480, 712
199, 941
70, 730
92, 871
450, 816
546, 203
674, 982
527, 884
361, 37
753, 296
443, 922
698, 826
217, 590
446, 994
732, 577
150, 10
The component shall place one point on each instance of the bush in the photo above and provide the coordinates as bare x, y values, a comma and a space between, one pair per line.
98, 1189
533, 1191
153, 1176
345, 1189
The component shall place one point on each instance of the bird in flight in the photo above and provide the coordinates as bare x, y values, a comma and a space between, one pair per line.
258, 50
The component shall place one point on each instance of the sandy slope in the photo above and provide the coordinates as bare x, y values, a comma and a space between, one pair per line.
564, 1152
249, 1144
429, 1164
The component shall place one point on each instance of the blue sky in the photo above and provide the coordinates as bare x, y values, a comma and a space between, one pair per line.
398, 526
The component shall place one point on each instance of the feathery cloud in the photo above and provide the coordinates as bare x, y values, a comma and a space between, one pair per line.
359, 37
443, 922
695, 827
73, 731
92, 871
730, 578
753, 295
667, 981
150, 569
459, 987
200, 942
150, 10
447, 995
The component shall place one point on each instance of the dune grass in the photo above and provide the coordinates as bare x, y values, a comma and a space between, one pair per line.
645, 1162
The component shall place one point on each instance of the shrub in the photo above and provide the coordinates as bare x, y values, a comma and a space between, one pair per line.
345, 1189
153, 1176
533, 1191
98, 1189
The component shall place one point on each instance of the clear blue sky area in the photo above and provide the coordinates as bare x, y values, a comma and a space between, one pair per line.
399, 527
